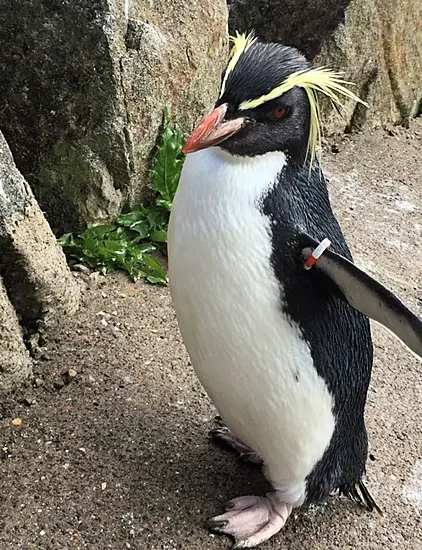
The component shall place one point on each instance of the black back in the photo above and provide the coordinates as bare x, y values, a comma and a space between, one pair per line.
338, 335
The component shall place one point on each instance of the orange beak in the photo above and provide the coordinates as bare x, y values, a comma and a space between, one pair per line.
212, 130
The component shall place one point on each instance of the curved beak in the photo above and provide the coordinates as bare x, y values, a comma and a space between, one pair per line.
212, 130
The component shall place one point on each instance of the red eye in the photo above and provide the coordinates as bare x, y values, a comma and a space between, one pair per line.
278, 113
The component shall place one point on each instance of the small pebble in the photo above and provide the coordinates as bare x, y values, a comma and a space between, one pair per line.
59, 384
82, 268
27, 401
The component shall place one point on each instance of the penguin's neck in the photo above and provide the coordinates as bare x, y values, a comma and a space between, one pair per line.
217, 175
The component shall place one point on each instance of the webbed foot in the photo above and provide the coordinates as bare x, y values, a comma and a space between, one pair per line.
251, 520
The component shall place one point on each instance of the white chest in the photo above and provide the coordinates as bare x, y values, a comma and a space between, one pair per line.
249, 356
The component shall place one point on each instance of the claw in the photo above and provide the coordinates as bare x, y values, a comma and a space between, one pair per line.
217, 525
252, 520
251, 458
229, 505
221, 434
216, 432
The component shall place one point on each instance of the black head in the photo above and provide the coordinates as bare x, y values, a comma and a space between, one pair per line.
281, 124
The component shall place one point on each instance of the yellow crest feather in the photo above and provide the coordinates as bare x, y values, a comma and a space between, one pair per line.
241, 43
314, 80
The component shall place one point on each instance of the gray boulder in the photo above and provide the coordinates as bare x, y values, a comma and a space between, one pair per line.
37, 288
83, 84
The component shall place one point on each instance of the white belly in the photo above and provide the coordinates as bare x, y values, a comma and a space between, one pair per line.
247, 353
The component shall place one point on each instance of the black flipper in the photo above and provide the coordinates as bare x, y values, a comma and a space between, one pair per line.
368, 295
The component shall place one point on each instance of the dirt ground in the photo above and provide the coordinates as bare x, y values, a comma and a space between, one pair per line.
117, 455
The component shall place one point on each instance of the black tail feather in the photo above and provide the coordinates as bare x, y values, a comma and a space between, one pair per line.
360, 494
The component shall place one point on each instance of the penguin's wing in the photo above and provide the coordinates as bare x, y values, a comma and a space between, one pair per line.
368, 296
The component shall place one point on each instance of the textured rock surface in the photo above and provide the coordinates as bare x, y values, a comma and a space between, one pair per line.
15, 363
32, 264
82, 92
376, 42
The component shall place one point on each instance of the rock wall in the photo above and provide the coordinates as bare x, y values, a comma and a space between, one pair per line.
83, 84
376, 42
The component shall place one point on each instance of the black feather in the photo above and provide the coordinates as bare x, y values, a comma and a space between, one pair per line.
360, 494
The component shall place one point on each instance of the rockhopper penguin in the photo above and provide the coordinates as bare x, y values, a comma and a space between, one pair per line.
285, 353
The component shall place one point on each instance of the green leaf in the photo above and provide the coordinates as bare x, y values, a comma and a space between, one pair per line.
164, 203
156, 280
168, 162
159, 236
90, 245
133, 217
155, 272
66, 239
98, 231
143, 228
146, 247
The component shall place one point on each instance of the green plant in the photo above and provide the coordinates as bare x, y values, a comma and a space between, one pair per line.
127, 244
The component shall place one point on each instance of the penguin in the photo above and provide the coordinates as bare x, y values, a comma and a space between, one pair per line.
277, 333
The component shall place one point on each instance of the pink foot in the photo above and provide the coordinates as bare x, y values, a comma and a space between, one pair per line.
252, 520
226, 436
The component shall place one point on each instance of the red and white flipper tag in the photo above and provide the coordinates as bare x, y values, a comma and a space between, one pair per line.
317, 253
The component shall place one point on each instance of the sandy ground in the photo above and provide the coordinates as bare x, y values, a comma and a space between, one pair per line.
118, 455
